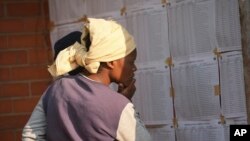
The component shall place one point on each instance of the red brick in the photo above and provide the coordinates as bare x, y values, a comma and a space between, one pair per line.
18, 134
13, 121
35, 24
46, 8
4, 74
7, 25
14, 90
26, 41
50, 56
5, 106
1, 9
30, 73
13, 57
37, 88
3, 42
39, 56
7, 135
23, 25
25, 105
24, 9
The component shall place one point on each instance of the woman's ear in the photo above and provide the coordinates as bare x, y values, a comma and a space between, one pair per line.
111, 64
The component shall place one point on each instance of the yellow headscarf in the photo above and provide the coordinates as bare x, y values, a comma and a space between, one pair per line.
109, 42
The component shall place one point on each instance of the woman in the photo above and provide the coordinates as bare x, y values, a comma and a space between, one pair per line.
82, 106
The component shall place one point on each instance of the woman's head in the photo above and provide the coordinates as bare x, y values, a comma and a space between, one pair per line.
124, 68
109, 42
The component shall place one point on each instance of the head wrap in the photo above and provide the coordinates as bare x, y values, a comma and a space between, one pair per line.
66, 41
109, 42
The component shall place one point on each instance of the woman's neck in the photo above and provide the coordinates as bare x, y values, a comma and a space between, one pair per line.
98, 77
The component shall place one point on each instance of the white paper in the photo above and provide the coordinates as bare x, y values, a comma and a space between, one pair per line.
66, 11
232, 85
236, 120
114, 15
132, 3
162, 133
148, 25
95, 7
228, 25
193, 82
152, 99
191, 27
200, 132
226, 133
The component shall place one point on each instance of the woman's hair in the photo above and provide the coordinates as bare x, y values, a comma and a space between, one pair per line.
69, 40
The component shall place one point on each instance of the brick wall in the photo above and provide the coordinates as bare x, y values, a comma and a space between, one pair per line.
25, 53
